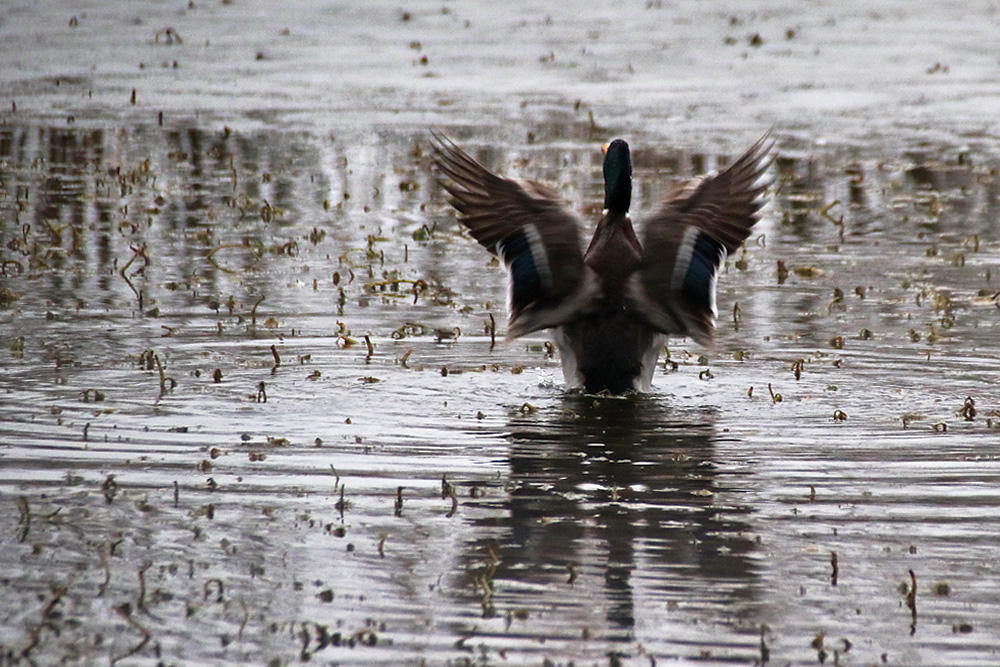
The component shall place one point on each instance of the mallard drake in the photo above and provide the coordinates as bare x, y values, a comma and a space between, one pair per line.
612, 307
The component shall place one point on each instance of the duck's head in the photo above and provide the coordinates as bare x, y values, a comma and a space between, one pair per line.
617, 176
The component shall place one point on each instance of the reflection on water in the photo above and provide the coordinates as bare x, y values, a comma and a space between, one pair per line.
613, 517
159, 283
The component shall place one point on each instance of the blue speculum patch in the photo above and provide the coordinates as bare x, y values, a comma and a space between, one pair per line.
525, 281
705, 259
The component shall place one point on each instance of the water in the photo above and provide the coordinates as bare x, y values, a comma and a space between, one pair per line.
337, 465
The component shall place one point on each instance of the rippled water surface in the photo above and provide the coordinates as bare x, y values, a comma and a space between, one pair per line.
251, 410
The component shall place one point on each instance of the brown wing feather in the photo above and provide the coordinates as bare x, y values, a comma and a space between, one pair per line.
496, 209
723, 206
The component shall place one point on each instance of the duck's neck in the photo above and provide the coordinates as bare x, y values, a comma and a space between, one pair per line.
614, 252
617, 178
618, 195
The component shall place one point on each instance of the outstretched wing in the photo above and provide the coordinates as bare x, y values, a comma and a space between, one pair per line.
527, 225
688, 239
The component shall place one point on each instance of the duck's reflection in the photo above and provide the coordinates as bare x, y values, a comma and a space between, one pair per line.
614, 500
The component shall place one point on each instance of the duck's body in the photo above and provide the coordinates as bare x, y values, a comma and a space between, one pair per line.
612, 307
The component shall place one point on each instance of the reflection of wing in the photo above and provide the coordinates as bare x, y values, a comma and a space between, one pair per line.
526, 224
688, 238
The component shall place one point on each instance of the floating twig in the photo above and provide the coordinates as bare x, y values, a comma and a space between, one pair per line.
371, 348
911, 602
125, 611
166, 383
141, 602
255, 252
24, 521
253, 313
277, 359
448, 491
341, 504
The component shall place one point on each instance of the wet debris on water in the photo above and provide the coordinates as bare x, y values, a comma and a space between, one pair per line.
448, 491
137, 252
253, 315
485, 584
398, 506
213, 588
817, 645
782, 272
371, 348
169, 35
167, 384
911, 602
839, 416
807, 272
277, 359
92, 396
7, 297
441, 334
342, 505
17, 347
261, 393
48, 614
837, 303
491, 329
775, 398
835, 567
109, 488
765, 652
968, 411
24, 520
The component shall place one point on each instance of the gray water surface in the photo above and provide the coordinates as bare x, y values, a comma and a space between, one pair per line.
251, 411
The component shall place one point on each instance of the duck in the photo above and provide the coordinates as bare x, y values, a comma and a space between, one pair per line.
609, 307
